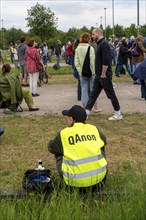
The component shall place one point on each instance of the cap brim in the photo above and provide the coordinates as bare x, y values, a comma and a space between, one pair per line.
65, 112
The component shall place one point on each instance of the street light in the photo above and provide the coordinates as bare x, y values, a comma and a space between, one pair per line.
101, 21
105, 21
113, 18
3, 44
138, 26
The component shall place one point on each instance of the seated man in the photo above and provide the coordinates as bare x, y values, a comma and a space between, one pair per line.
79, 151
11, 89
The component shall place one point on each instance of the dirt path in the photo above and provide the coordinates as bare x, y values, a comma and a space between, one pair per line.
55, 98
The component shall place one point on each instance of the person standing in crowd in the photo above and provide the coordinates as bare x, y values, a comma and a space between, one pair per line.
57, 51
130, 43
21, 49
123, 58
140, 73
69, 53
16, 57
1, 56
32, 58
80, 55
103, 78
79, 150
136, 60
45, 52
11, 50
113, 52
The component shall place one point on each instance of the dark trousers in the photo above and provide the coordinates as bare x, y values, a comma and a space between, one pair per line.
143, 89
106, 84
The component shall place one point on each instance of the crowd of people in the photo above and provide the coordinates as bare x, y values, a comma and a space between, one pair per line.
92, 58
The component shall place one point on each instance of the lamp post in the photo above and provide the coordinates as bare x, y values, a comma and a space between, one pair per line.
105, 21
3, 35
113, 18
138, 26
100, 21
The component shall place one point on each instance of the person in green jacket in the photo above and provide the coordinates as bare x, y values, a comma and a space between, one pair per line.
11, 89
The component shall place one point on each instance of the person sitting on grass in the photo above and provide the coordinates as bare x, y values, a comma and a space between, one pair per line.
11, 89
79, 151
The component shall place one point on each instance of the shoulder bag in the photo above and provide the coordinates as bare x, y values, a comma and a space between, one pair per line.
86, 71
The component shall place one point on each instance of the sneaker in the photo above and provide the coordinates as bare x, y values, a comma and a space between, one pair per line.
35, 95
97, 110
115, 117
142, 99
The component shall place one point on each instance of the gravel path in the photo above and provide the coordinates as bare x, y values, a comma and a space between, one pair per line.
55, 98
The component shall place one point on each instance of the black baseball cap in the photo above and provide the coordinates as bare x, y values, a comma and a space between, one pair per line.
76, 112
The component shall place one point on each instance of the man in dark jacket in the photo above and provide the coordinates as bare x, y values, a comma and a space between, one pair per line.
103, 77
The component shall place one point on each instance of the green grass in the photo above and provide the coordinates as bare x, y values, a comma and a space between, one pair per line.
25, 141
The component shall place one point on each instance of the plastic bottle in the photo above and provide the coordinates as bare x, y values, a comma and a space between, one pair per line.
40, 165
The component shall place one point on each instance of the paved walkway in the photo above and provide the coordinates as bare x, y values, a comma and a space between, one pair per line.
55, 98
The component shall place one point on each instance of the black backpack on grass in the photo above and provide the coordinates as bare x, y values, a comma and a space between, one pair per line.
37, 181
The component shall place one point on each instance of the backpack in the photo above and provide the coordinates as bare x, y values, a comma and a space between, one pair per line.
135, 51
37, 181
86, 71
56, 67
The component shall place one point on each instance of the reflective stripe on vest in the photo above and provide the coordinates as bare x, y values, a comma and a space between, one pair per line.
82, 161
86, 174
83, 164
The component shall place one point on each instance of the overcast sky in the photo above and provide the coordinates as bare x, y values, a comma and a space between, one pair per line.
75, 13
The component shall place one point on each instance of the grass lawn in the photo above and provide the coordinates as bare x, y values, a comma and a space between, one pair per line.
25, 142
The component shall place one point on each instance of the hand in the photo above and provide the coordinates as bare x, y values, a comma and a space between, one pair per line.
103, 76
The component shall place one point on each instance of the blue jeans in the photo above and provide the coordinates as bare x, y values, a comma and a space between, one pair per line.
86, 88
135, 65
58, 60
119, 67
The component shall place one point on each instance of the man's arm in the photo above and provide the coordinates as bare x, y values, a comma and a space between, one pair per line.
105, 49
55, 145
104, 69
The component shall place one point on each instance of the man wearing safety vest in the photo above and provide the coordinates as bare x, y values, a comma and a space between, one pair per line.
79, 150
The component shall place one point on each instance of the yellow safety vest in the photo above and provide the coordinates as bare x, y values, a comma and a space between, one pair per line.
83, 164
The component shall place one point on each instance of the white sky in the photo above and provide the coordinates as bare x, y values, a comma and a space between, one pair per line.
75, 13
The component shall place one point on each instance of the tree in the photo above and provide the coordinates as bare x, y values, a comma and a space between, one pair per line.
119, 31
143, 30
41, 21
131, 31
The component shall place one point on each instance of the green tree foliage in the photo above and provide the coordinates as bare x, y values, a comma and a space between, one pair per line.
41, 21
109, 32
143, 30
119, 31
131, 31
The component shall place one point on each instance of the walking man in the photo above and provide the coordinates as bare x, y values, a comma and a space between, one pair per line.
103, 77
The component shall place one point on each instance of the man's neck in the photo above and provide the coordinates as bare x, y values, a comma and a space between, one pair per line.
100, 38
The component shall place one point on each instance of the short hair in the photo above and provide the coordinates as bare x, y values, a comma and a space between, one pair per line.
85, 38
30, 42
6, 68
22, 39
99, 30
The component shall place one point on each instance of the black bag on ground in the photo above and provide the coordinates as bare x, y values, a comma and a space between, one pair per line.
37, 181
56, 67
86, 71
